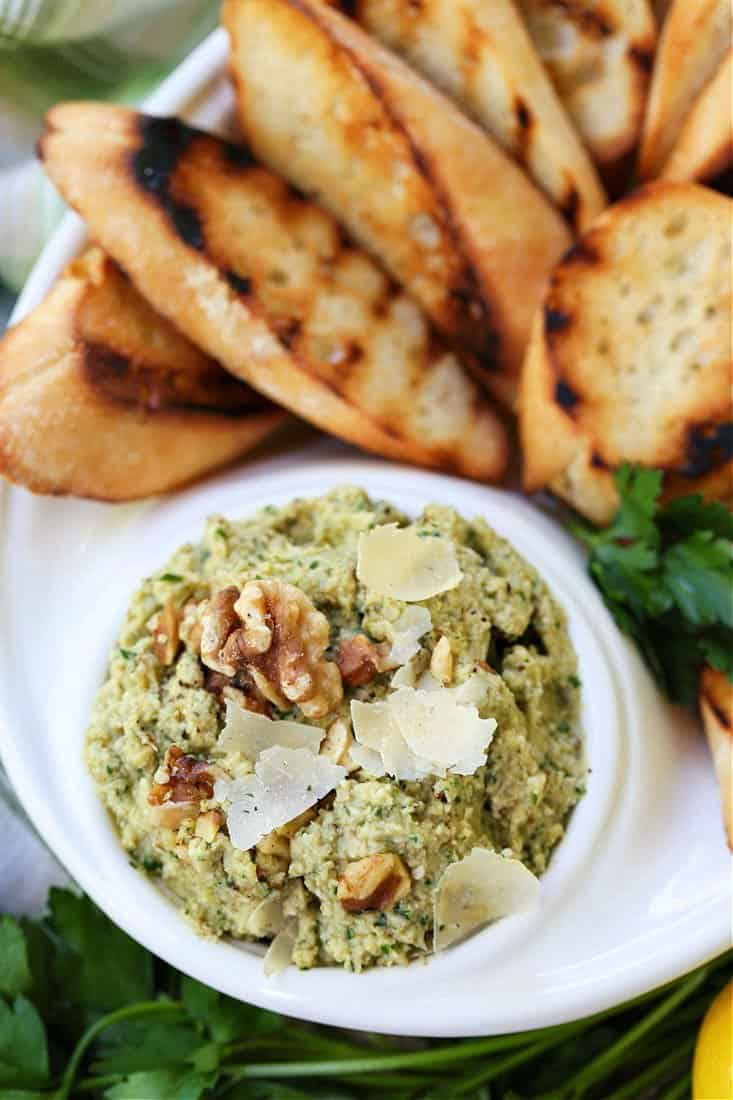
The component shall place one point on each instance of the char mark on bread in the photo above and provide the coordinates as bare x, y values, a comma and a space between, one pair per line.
708, 446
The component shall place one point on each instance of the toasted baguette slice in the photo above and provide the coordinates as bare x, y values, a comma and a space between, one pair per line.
481, 55
598, 53
704, 149
265, 282
630, 359
695, 39
716, 707
660, 7
101, 397
418, 184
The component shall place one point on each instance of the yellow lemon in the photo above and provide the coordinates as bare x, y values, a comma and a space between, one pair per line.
712, 1071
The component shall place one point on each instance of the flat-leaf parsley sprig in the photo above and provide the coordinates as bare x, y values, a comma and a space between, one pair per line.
666, 574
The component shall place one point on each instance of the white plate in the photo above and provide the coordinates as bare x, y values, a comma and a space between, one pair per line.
639, 890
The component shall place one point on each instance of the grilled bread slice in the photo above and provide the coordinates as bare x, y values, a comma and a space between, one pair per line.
481, 55
630, 359
716, 707
419, 185
704, 149
266, 282
695, 38
598, 53
101, 397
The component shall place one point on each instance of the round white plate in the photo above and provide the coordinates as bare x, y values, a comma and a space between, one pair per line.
638, 891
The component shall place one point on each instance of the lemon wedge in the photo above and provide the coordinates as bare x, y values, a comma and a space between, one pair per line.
712, 1070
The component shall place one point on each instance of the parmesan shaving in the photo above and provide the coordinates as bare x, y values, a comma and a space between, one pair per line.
367, 759
419, 733
399, 562
250, 733
280, 952
267, 918
286, 783
479, 888
408, 630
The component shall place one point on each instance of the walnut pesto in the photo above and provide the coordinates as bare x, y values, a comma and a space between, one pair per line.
153, 745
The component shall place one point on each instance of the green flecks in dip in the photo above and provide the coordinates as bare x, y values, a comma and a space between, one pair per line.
502, 625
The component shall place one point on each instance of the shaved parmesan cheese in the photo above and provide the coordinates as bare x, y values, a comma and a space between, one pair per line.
482, 887
367, 759
280, 952
267, 918
251, 733
399, 562
419, 733
286, 783
408, 630
404, 677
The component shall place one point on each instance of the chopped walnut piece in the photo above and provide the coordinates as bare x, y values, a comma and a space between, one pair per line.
165, 628
337, 742
272, 853
191, 629
218, 620
441, 662
209, 824
182, 779
358, 660
377, 882
237, 688
273, 634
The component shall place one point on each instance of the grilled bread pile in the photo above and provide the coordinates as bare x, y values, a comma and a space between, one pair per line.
411, 248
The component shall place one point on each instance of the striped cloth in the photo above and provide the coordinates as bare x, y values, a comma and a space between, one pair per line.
73, 49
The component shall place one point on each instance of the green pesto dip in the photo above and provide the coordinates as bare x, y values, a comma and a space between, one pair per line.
502, 625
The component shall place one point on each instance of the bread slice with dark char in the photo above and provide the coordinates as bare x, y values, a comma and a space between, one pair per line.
101, 397
703, 151
482, 57
266, 282
599, 55
716, 707
630, 359
695, 38
417, 183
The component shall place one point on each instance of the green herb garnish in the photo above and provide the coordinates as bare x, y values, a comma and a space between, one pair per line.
170, 578
666, 574
87, 1013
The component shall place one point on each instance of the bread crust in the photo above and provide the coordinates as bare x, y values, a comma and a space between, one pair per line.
265, 282
599, 56
418, 184
716, 707
694, 40
630, 357
100, 397
703, 151
482, 57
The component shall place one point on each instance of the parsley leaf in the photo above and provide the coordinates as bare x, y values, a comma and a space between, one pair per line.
147, 1045
23, 1047
105, 968
225, 1018
666, 575
163, 1084
15, 974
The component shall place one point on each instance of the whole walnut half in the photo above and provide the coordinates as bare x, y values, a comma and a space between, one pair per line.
272, 632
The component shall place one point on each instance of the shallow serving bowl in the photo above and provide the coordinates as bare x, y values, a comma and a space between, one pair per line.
638, 891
